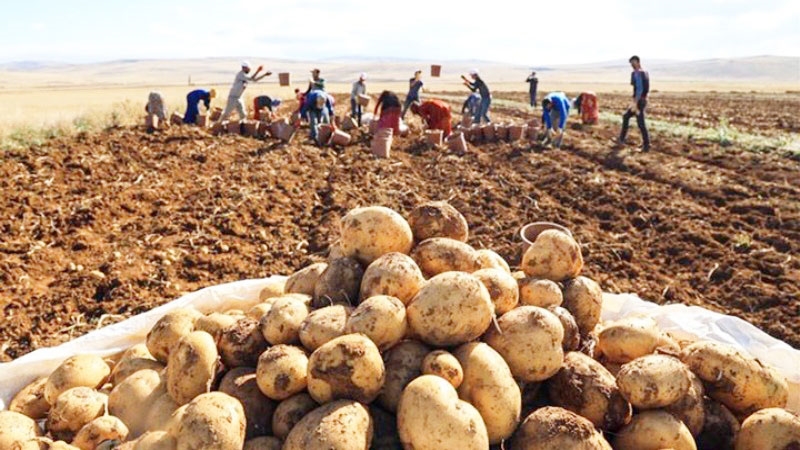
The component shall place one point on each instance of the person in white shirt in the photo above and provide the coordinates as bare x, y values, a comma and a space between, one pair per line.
237, 90
359, 88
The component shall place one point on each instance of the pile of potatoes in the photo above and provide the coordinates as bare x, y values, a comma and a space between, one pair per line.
408, 337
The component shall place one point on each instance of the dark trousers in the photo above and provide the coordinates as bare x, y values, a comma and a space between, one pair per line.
355, 110
533, 98
639, 121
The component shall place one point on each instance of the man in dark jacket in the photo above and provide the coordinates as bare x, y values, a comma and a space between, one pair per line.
640, 80
534, 84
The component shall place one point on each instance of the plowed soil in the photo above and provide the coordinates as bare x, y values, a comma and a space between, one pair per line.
97, 228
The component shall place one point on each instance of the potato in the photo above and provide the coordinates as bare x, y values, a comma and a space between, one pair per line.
349, 366
502, 287
304, 281
169, 330
30, 400
335, 251
258, 311
586, 388
654, 430
489, 386
61, 445
385, 435
370, 232
583, 298
339, 425
192, 366
488, 259
18, 432
629, 338
241, 343
274, 289
215, 323
690, 409
451, 309
553, 428
289, 412
282, 323
77, 371
160, 411
542, 293
769, 429
131, 400
133, 360
653, 381
403, 363
720, 427
282, 371
155, 440
213, 420
263, 443
241, 384
104, 428
443, 364
380, 318
530, 340
737, 380
438, 219
554, 255
173, 425
339, 283
572, 335
393, 274
439, 255
73, 409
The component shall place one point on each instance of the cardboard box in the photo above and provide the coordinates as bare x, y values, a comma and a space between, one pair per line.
284, 78
340, 138
382, 143
436, 70
324, 133
234, 127
202, 120
434, 137
217, 128
151, 122
176, 118
364, 100
216, 113
250, 128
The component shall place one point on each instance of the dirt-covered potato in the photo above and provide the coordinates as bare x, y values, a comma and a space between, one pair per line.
259, 310
430, 416
213, 420
153, 440
553, 428
370, 232
322, 325
451, 309
502, 287
30, 400
73, 409
572, 335
215, 323
282, 323
133, 360
160, 411
381, 318
191, 367
131, 400
403, 363
583, 298
554, 255
339, 283
282, 371
18, 432
488, 259
393, 274
530, 340
630, 338
304, 281
654, 430
539, 292
241, 384
241, 343
439, 255
385, 435
443, 364
438, 219
289, 412
263, 443
169, 330
690, 408
585, 387
653, 381
769, 429
103, 428
77, 371
720, 427
349, 366
489, 386
274, 289
339, 425
734, 378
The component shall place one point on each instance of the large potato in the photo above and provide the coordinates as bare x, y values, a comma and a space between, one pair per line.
553, 428
542, 293
191, 367
630, 338
73, 409
160, 411
430, 416
653, 381
369, 232
241, 384
349, 366
769, 429
339, 425
489, 386
77, 371
282, 371
403, 363
572, 335
720, 427
153, 440
439, 255
30, 400
488, 259
241, 343
654, 430
291, 411
451, 309
690, 408
380, 318
215, 323
502, 287
304, 281
339, 283
322, 325
213, 420
438, 219
282, 323
259, 310
274, 289
530, 340
18, 432
133, 360
131, 399
554, 255
263, 443
103, 428
393, 274
585, 387
584, 299
169, 330
443, 364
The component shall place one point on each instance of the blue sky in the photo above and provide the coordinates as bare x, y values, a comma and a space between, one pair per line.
523, 32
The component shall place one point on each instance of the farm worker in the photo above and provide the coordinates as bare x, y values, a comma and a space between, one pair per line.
318, 109
477, 84
586, 105
261, 102
414, 86
534, 84
155, 105
389, 104
193, 99
315, 82
640, 80
359, 88
471, 105
237, 90
555, 109
435, 113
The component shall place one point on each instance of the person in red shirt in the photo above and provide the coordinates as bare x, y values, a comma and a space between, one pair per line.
435, 113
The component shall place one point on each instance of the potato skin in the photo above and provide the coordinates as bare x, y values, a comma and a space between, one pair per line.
488, 259
274, 289
348, 367
30, 400
77, 371
690, 408
553, 428
370, 232
18, 431
403, 363
241, 384
339, 283
215, 323
438, 219
160, 411
192, 366
291, 411
380, 318
152, 440
502, 287
263, 443
282, 323
133, 360
213, 420
282, 371
572, 335
304, 281
653, 381
720, 427
98, 430
322, 325
339, 425
443, 364
241, 343
73, 409
439, 255
654, 430
583, 298
539, 292
169, 329
554, 255
393, 274
131, 399
627, 339
769, 429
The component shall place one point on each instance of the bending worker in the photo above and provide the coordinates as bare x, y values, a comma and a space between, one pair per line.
389, 105
435, 113
318, 109
237, 90
555, 109
471, 105
155, 105
193, 99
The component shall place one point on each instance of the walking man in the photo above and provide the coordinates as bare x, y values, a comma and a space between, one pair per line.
534, 84
235, 101
359, 88
640, 80
414, 86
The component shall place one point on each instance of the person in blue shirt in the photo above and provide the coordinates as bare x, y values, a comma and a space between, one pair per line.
317, 109
555, 109
471, 105
414, 87
640, 80
193, 99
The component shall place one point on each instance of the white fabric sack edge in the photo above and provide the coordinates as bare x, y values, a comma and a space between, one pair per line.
680, 320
